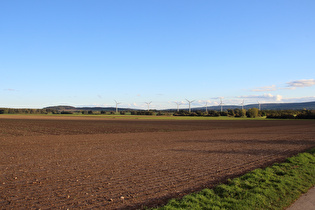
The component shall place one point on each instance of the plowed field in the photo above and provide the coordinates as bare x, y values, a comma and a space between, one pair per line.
70, 163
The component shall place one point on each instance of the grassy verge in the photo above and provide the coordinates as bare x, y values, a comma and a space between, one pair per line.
274, 187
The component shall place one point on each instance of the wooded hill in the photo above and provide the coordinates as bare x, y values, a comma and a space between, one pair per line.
72, 108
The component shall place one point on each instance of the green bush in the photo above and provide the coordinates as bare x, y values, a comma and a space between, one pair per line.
252, 113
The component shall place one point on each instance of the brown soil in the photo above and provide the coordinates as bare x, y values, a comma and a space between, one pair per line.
119, 164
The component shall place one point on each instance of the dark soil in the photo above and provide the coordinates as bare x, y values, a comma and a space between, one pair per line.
112, 164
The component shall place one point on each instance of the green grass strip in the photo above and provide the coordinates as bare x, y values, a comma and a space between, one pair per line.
274, 187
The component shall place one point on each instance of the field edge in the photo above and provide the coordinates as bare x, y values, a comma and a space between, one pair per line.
274, 187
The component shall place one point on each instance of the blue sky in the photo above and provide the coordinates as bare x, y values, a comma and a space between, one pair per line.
90, 53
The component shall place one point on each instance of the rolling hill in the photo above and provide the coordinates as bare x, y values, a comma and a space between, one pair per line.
266, 106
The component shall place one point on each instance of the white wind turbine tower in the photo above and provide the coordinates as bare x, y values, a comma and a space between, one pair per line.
116, 105
206, 106
190, 103
259, 105
178, 103
242, 105
148, 103
221, 103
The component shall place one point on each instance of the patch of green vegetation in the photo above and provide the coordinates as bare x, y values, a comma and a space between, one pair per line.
274, 187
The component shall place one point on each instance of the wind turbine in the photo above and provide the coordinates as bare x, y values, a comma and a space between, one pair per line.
116, 105
178, 103
259, 105
148, 103
190, 103
221, 104
242, 105
207, 107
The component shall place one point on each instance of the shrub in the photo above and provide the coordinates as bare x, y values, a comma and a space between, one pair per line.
66, 112
252, 113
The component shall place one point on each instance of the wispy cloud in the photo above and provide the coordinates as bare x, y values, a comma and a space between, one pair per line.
134, 105
266, 96
10, 89
144, 106
299, 99
203, 102
265, 89
179, 102
221, 97
290, 86
301, 83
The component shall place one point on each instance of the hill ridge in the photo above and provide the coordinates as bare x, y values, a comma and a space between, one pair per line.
264, 106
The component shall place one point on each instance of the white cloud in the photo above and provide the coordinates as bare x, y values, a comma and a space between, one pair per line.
134, 105
301, 83
264, 89
195, 103
266, 97
288, 88
203, 103
278, 97
290, 85
10, 89
176, 102
218, 97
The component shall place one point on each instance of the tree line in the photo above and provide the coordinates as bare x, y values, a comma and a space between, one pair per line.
291, 114
28, 111
253, 113
250, 113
